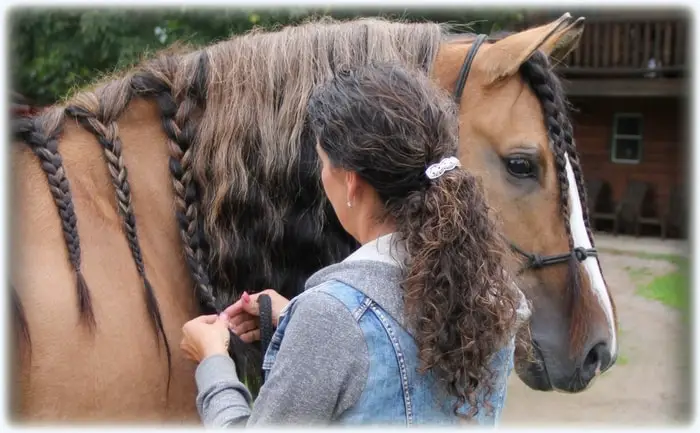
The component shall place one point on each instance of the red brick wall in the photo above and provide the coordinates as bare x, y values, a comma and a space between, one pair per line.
664, 151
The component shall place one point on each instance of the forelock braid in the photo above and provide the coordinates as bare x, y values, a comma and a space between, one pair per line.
538, 77
43, 141
104, 126
549, 91
580, 183
181, 128
568, 143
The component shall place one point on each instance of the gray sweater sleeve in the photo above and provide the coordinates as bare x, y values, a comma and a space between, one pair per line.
319, 372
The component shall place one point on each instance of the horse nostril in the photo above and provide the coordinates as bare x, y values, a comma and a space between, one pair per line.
593, 356
597, 360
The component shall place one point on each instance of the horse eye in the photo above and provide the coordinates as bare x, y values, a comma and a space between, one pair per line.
520, 167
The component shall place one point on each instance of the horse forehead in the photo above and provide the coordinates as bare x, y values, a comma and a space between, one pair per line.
508, 114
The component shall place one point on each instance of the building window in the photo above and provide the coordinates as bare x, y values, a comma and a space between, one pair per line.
627, 138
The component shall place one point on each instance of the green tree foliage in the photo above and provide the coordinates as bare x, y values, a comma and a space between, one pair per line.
53, 52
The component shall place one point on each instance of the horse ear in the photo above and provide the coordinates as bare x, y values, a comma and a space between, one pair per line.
564, 41
556, 39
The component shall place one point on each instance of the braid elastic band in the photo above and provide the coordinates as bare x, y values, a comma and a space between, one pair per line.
438, 169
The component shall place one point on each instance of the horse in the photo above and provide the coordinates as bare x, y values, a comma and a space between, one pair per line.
169, 189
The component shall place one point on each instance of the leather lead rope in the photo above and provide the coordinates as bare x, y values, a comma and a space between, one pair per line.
266, 328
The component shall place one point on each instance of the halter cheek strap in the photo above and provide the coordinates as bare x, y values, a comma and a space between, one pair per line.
466, 67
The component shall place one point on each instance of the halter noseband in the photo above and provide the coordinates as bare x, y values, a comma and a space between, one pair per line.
534, 260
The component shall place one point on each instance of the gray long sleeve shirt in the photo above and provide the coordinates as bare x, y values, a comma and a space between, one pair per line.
307, 385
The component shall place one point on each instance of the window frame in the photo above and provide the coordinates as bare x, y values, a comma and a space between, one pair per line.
615, 136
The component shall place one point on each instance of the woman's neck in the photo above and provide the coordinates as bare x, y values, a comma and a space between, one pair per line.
367, 226
370, 232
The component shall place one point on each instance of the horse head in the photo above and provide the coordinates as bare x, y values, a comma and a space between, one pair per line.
515, 133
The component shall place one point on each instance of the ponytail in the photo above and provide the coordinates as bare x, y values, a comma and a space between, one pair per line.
458, 298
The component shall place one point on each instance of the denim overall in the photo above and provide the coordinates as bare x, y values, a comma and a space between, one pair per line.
395, 392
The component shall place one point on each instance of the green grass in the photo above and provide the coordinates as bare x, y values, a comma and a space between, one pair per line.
672, 289
638, 274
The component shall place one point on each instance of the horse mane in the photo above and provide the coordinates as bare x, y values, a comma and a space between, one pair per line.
263, 198
249, 203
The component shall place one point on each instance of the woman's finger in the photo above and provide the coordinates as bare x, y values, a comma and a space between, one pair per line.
186, 349
246, 326
251, 336
247, 303
250, 304
208, 319
234, 309
243, 317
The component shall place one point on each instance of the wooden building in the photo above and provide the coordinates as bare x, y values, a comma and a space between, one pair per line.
629, 88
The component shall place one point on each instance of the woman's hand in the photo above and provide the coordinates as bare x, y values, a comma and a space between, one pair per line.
243, 316
204, 336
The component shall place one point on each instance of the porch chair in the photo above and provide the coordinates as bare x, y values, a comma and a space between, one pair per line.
660, 221
593, 188
677, 213
628, 208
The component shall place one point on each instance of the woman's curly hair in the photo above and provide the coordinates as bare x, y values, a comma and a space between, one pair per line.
389, 124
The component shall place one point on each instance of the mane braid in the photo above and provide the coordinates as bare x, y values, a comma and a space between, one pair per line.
181, 130
179, 120
548, 89
106, 131
41, 135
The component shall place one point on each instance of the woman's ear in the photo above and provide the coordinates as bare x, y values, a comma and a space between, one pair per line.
352, 186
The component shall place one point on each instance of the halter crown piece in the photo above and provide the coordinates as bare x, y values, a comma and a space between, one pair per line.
438, 169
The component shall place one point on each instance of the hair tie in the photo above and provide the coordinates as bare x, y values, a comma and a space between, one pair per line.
438, 169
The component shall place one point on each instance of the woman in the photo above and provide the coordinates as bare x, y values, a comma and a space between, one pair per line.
418, 325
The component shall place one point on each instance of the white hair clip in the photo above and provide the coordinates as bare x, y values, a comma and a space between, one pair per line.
438, 169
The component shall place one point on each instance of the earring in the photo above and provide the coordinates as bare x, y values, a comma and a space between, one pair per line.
349, 204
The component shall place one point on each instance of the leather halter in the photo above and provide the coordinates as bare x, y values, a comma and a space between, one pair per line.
534, 260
